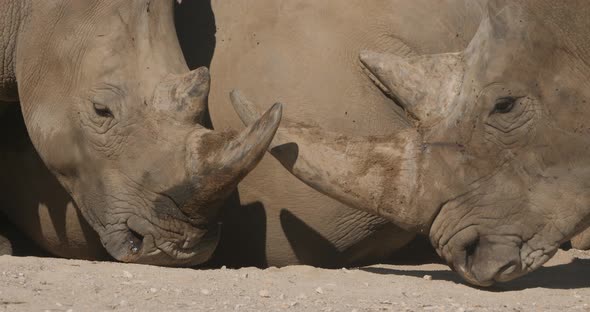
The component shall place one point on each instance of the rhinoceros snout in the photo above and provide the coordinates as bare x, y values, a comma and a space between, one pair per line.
139, 241
484, 260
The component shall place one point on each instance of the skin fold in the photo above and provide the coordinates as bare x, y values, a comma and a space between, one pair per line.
494, 163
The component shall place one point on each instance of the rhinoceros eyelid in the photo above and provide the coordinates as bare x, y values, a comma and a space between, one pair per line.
102, 110
110, 88
505, 104
106, 99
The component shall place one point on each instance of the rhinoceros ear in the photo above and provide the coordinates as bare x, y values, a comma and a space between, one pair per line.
424, 85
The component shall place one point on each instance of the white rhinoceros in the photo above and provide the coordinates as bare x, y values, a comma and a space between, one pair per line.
495, 163
115, 114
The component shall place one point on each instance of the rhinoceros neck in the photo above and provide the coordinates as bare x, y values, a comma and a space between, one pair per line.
11, 17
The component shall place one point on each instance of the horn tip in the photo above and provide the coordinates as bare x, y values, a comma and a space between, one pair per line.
274, 114
277, 108
244, 108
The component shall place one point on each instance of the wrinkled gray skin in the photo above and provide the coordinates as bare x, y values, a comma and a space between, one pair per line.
114, 113
496, 165
301, 53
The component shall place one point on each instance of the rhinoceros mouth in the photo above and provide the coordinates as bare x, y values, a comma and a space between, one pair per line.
168, 242
146, 241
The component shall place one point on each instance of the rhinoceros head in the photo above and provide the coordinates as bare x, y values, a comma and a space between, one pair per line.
115, 114
496, 163
508, 116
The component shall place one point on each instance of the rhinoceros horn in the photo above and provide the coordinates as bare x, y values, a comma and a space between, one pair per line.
398, 177
224, 159
422, 85
375, 174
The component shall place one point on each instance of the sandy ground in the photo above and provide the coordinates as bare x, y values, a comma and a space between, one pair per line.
45, 284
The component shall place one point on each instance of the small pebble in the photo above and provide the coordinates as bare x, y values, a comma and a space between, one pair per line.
282, 296
205, 292
319, 290
127, 274
153, 290
264, 293
427, 277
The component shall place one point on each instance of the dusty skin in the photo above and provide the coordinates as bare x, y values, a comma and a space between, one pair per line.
43, 284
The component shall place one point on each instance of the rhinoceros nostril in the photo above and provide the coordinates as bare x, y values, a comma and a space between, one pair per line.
135, 241
470, 251
507, 269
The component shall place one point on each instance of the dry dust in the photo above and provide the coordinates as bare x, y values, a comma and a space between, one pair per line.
45, 284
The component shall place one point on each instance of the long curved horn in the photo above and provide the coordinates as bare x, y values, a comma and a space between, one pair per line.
222, 159
422, 85
375, 174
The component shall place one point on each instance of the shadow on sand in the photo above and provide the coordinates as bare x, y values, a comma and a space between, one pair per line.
564, 276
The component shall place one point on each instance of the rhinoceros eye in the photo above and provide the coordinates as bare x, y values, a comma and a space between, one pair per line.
504, 105
102, 110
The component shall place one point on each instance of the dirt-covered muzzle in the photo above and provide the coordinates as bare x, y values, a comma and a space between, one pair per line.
483, 260
144, 226
485, 252
510, 222
165, 242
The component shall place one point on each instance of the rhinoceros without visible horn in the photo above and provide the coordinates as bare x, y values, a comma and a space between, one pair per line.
115, 114
495, 165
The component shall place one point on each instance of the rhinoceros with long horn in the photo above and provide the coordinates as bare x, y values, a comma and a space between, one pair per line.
115, 114
495, 166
